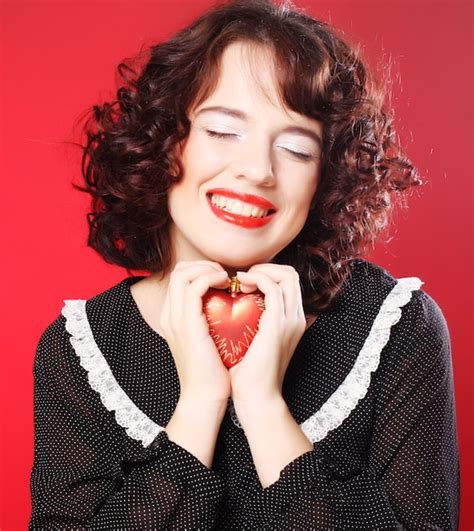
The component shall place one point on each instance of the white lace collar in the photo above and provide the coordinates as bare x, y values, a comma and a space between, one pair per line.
330, 416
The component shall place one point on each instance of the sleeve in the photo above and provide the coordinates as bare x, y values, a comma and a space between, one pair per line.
82, 476
411, 481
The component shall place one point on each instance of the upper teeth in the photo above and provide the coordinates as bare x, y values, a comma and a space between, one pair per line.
238, 207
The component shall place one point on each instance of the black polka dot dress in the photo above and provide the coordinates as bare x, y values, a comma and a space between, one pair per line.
370, 385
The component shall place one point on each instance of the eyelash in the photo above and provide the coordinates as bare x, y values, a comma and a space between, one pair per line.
216, 134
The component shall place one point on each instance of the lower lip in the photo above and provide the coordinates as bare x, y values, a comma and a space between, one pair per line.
236, 219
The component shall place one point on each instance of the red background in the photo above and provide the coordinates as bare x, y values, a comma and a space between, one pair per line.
59, 58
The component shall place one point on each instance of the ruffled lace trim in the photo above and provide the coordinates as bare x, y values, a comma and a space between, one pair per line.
330, 416
354, 387
137, 424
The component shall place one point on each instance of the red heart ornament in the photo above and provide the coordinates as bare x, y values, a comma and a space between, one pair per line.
233, 320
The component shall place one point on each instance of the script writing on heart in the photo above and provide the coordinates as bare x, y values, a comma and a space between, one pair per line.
233, 320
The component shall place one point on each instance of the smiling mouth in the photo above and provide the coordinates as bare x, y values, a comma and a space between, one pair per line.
239, 208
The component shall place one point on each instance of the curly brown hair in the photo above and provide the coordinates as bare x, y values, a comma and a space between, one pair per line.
128, 162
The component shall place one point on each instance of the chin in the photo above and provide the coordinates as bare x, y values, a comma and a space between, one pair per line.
232, 266
236, 259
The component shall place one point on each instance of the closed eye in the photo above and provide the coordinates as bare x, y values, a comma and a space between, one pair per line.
218, 134
302, 156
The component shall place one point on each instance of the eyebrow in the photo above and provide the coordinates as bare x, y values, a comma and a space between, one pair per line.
235, 113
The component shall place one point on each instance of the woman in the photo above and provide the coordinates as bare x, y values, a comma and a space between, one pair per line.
252, 144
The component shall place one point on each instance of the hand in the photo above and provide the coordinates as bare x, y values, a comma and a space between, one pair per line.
259, 376
204, 379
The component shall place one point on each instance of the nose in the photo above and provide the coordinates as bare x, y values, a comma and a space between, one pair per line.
253, 161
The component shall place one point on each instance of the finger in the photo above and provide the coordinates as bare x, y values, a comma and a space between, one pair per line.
292, 290
288, 280
274, 301
200, 286
181, 277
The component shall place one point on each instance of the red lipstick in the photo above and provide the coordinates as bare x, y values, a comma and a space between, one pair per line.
248, 198
242, 221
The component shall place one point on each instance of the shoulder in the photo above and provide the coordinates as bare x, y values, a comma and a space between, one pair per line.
74, 322
420, 315
408, 331
414, 316
369, 277
103, 313
371, 281
426, 317
422, 335
409, 323
371, 291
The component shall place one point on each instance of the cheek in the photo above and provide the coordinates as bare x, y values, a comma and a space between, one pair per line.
300, 200
201, 155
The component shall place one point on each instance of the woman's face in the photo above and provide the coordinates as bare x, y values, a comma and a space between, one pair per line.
243, 140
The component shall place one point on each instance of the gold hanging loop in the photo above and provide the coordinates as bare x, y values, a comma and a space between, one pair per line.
234, 286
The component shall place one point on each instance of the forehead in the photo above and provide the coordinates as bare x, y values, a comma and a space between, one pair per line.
247, 80
246, 73
251, 63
